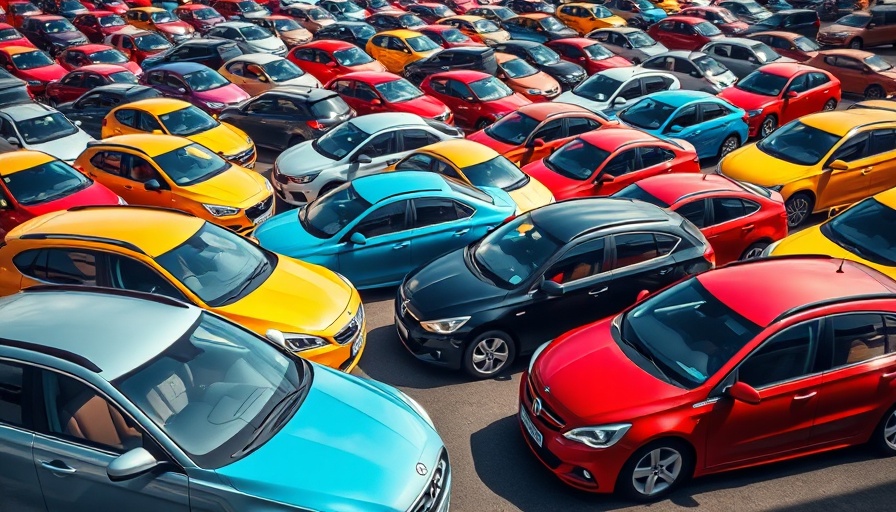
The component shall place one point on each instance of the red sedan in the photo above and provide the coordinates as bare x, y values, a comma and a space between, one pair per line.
587, 53
604, 162
87, 54
328, 59
718, 16
116, 6
83, 79
98, 24
9, 36
447, 36
776, 94
684, 32
739, 220
31, 65
369, 92
739, 366
477, 99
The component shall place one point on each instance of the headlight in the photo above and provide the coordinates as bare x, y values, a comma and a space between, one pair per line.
121, 201
838, 35
248, 140
775, 188
215, 104
534, 91
446, 325
771, 247
535, 354
754, 113
598, 437
221, 211
416, 407
34, 82
298, 342
499, 116
307, 178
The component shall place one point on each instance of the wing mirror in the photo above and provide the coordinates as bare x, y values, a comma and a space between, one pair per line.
330, 64
131, 464
551, 288
643, 294
363, 159
12, 140
181, 90
262, 78
152, 185
537, 143
605, 178
619, 101
839, 165
676, 128
4, 204
357, 239
743, 392
790, 94
376, 101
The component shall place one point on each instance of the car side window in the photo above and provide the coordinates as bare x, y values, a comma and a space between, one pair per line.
416, 139
685, 117
381, 145
853, 149
725, 209
712, 111
630, 90
551, 131
685, 66
721, 50
658, 63
417, 162
130, 274
654, 155
741, 53
787, 355
623, 163
127, 117
655, 84
174, 82
13, 404
818, 80
695, 211
92, 80
384, 220
59, 266
634, 248
579, 125
861, 336
580, 262
458, 89
157, 78
364, 92
433, 210
799, 84
307, 54
139, 170
73, 80
882, 141
147, 123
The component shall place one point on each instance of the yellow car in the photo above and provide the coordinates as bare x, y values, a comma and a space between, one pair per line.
821, 161
477, 28
670, 6
177, 117
863, 232
180, 256
584, 17
395, 49
480, 166
156, 19
174, 172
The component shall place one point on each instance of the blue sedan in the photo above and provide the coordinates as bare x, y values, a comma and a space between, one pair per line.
376, 229
714, 126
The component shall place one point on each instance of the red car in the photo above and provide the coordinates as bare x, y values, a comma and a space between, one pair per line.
138, 44
369, 92
375, 6
795, 46
743, 365
328, 59
87, 54
477, 99
587, 53
776, 94
9, 36
739, 220
604, 162
684, 32
535, 131
18, 11
50, 186
718, 16
447, 36
31, 65
83, 79
98, 24
200, 17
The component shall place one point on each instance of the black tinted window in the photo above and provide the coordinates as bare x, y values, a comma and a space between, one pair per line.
59, 266
130, 274
415, 139
725, 209
384, 220
695, 212
584, 260
432, 210
714, 111
787, 355
634, 248
858, 338
651, 156
11, 397
579, 125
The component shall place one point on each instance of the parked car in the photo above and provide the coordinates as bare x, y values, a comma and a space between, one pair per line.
721, 17
66, 8
344, 10
310, 16
201, 17
258, 72
538, 27
9, 36
494, 13
361, 146
447, 36
52, 33
287, 29
249, 37
587, 53
888, 105
212, 53
547, 60
609, 91
78, 56
394, 20
430, 12
742, 56
476, 58
162, 21
748, 11
684, 33
356, 32
525, 79
695, 70
239, 9
12, 90
795, 46
798, 21
529, 6
327, 60
862, 29
631, 43
91, 108
395, 49
859, 72
71, 86
370, 92
478, 29
477, 99
195, 83
585, 17
31, 65
37, 127
18, 11
636, 13
557, 263
739, 220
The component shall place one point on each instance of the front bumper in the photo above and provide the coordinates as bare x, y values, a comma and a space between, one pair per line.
826, 40
345, 348
437, 349
247, 219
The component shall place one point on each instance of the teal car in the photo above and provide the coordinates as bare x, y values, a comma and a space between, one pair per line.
376, 229
119, 400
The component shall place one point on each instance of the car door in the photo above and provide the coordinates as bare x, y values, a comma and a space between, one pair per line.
838, 187
728, 226
85, 432
801, 104
685, 124
820, 91
383, 150
69, 87
466, 112
615, 175
849, 71
253, 117
722, 53
120, 172
881, 164
715, 126
440, 225
783, 371
18, 480
385, 255
550, 132
641, 261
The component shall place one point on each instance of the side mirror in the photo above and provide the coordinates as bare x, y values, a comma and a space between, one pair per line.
627, 46
152, 185
619, 101
12, 140
4, 204
363, 159
262, 78
470, 99
154, 132
790, 94
277, 337
643, 294
501, 76
130, 464
605, 178
676, 128
181, 90
376, 101
330, 64
537, 143
357, 239
743, 392
550, 288
9, 67
78, 124
839, 165
872, 25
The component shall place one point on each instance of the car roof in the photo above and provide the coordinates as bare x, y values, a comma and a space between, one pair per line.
787, 69
15, 50
462, 152
681, 97
377, 187
466, 49
778, 33
191, 7
181, 67
110, 333
24, 111
520, 43
256, 58
401, 33
542, 110
621, 30
149, 144
670, 188
89, 47
301, 92
330, 45
370, 77
609, 140
625, 72
372, 123
688, 19
121, 88
45, 17
741, 41
146, 9
848, 52
465, 75
15, 161
534, 15
580, 42
570, 219
841, 122
161, 105
685, 54
235, 24
764, 289
102, 69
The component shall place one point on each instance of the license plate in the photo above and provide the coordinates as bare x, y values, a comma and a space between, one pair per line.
264, 217
356, 345
402, 330
250, 165
530, 428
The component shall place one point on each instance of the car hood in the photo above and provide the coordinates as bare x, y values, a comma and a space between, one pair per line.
302, 159
222, 139
508, 103
67, 36
237, 187
296, 35
445, 284
176, 28
563, 32
539, 80
45, 73
94, 195
228, 95
747, 100
836, 27
353, 445
533, 195
753, 166
66, 149
269, 43
724, 80
306, 80
284, 234
562, 68
424, 106
654, 49
483, 138
555, 182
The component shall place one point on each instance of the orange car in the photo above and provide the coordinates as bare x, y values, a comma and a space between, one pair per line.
526, 79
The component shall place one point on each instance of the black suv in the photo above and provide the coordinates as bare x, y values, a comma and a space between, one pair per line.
52, 33
355, 32
475, 58
799, 21
539, 275
91, 108
567, 73
211, 52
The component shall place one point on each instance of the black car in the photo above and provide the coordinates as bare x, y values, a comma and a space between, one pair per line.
51, 33
430, 13
528, 6
286, 115
91, 108
748, 11
475, 58
798, 21
211, 52
567, 73
539, 275
66, 8
394, 20
355, 32
12, 90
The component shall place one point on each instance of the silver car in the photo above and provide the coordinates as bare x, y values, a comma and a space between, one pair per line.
632, 43
249, 37
609, 90
743, 56
41, 128
696, 71
365, 145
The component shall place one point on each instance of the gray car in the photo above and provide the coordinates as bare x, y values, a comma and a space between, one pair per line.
249, 37
42, 128
608, 91
91, 108
362, 146
632, 43
742, 56
696, 71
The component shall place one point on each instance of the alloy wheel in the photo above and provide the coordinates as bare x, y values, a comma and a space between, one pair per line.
830, 105
768, 126
890, 431
797, 210
753, 253
729, 145
657, 471
874, 93
490, 355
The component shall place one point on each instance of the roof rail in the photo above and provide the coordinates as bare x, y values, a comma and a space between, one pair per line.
837, 300
105, 142
53, 352
83, 207
102, 290
81, 238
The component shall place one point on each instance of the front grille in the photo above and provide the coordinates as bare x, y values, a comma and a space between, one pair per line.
244, 157
571, 79
352, 330
546, 416
437, 489
260, 209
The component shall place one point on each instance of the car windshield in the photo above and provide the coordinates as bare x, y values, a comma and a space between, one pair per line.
217, 390
798, 143
454, 36
865, 230
110, 56
765, 53
151, 41
576, 160
877, 64
353, 56
421, 44
485, 26
399, 90
754, 8
411, 21
57, 26
205, 80
644, 5
600, 11
498, 172
552, 23
122, 77
772, 21
206, 14
8, 34
162, 17
805, 44
490, 89
282, 70
254, 33
191, 164
39, 130
725, 15
597, 52
705, 28
249, 6
45, 182
518, 68
687, 332
317, 14
759, 82
286, 25
633, 191
339, 141
31, 60
110, 21
24, 8
71, 6
442, 11
710, 66
363, 31
598, 87
544, 55
503, 12
514, 128
217, 264
514, 251
640, 39
188, 121
854, 20
350, 7
330, 213
648, 114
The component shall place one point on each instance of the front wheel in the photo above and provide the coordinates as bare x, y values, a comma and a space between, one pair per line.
482, 124
856, 44
799, 207
829, 105
753, 251
656, 470
489, 354
874, 92
884, 438
728, 145
769, 124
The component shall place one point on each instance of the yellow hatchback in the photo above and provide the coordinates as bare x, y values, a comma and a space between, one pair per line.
181, 256
395, 49
174, 172
821, 161
177, 117
480, 166
584, 17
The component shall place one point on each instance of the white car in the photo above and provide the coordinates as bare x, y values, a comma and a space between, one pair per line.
249, 37
258, 72
611, 89
38, 127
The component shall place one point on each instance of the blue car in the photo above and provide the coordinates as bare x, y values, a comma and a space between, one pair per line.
638, 13
376, 229
714, 126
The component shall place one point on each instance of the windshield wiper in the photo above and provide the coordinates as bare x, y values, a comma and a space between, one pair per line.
255, 273
642, 349
279, 411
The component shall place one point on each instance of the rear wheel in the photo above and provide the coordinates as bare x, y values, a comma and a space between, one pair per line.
753, 251
328, 187
489, 354
884, 438
856, 44
874, 92
656, 470
769, 124
831, 104
799, 207
728, 145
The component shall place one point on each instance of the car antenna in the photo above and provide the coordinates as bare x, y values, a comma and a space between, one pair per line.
840, 268
704, 177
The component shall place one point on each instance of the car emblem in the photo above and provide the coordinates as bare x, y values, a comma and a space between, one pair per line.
547, 389
536, 406
404, 307
421, 469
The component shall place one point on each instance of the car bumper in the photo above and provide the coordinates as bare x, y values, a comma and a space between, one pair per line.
824, 40
296, 194
340, 356
439, 350
247, 219
244, 159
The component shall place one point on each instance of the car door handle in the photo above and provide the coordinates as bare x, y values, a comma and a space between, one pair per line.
748, 227
805, 397
697, 132
58, 467
445, 68
595, 293
866, 170
889, 375
128, 187
461, 232
392, 161
665, 271
402, 245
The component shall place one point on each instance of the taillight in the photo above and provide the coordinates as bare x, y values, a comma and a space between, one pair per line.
315, 125
710, 255
104, 122
817, 22
746, 118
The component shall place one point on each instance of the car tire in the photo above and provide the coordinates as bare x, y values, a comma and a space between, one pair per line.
730, 143
856, 44
884, 438
874, 92
656, 470
768, 126
489, 354
294, 140
753, 251
328, 187
799, 207
829, 105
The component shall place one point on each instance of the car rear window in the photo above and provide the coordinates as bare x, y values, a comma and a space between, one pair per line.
229, 51
329, 107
